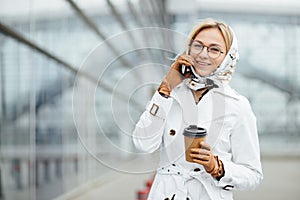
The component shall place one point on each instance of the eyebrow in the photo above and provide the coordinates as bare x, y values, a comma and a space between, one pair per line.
213, 44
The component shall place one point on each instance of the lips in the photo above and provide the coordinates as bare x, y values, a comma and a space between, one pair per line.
203, 63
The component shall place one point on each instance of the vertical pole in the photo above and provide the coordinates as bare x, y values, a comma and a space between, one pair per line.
2, 88
1, 193
2, 108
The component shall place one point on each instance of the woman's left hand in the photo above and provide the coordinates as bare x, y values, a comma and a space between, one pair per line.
205, 157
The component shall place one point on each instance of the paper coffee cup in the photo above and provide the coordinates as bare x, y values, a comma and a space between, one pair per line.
193, 135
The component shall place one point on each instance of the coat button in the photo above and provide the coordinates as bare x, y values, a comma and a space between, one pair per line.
172, 132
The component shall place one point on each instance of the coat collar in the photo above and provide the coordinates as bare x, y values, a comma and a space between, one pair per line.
226, 91
183, 92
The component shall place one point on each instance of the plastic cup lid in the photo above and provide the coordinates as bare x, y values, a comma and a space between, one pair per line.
194, 131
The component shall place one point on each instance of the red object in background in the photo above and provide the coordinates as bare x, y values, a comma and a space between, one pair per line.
143, 194
149, 183
17, 167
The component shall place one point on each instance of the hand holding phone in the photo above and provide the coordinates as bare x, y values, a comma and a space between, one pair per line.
175, 76
186, 70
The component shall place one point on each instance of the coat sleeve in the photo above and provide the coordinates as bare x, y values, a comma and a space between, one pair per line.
147, 135
243, 171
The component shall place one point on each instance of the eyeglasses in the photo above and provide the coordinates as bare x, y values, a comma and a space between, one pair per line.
212, 51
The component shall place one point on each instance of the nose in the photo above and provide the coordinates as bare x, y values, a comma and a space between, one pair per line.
204, 52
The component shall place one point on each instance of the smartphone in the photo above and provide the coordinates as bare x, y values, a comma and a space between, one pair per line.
187, 69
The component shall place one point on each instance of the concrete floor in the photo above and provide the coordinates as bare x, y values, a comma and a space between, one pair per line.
281, 181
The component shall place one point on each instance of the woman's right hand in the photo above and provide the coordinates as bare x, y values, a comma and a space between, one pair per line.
174, 76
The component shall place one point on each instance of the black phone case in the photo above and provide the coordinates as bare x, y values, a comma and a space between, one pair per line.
185, 69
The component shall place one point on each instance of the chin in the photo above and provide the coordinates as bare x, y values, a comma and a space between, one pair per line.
202, 73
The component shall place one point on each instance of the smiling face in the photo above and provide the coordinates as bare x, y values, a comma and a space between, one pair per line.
210, 38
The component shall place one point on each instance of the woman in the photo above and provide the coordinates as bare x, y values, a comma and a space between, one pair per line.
196, 91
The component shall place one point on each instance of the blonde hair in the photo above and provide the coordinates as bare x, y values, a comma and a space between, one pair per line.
211, 23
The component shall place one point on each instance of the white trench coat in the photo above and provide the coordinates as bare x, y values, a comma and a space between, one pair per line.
231, 132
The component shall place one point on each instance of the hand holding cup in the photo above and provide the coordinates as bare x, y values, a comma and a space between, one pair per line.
204, 156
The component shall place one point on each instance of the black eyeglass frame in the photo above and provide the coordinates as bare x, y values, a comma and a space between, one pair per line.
208, 49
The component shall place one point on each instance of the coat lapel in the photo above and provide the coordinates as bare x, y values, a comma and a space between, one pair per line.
184, 96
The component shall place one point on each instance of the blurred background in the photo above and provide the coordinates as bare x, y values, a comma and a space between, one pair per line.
75, 75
